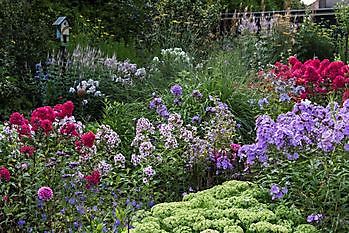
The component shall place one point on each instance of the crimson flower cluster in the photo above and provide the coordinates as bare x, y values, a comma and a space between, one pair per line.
93, 179
316, 76
5, 174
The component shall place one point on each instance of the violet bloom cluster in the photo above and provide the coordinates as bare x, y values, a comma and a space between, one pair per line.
315, 218
161, 109
277, 192
307, 127
45, 193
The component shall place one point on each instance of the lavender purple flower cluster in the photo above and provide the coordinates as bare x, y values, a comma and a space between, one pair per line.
307, 127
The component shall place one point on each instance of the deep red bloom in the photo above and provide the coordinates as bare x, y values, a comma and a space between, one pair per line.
43, 113
5, 174
63, 110
235, 147
69, 129
27, 150
345, 95
17, 119
5, 198
88, 139
293, 60
93, 179
46, 125
339, 82
24, 130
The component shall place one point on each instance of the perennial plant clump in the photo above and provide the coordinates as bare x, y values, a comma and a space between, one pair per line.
67, 178
235, 206
314, 80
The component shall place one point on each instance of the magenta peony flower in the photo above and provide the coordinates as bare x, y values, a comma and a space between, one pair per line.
45, 193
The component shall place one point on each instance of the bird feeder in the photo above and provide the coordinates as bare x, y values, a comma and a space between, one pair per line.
62, 30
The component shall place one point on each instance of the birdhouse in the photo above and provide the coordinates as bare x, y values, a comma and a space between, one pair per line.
62, 29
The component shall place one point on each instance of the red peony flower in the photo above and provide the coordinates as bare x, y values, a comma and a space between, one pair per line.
88, 139
17, 119
5, 174
27, 150
93, 179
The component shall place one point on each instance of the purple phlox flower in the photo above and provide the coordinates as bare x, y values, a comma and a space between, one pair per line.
151, 203
262, 102
76, 225
81, 210
149, 171
117, 223
155, 102
346, 147
210, 110
315, 218
134, 203
176, 90
223, 163
44, 217
277, 192
284, 97
45, 193
196, 119
162, 111
72, 201
222, 106
177, 101
293, 156
21, 223
196, 94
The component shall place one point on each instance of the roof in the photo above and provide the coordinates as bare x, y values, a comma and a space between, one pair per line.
59, 20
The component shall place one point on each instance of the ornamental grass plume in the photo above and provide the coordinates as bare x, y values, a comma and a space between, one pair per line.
45, 193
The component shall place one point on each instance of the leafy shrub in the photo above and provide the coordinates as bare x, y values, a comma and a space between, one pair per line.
305, 149
234, 206
185, 24
314, 40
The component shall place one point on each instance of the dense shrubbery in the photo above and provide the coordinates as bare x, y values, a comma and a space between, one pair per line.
234, 207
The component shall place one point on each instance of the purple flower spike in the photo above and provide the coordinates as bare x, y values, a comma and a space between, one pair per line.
176, 90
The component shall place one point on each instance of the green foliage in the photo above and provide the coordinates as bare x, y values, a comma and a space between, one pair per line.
204, 212
259, 5
185, 24
342, 17
314, 40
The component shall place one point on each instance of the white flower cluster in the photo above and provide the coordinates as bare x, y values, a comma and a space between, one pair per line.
176, 54
124, 72
105, 135
86, 88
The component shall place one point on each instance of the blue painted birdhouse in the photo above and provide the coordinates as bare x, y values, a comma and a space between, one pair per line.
62, 29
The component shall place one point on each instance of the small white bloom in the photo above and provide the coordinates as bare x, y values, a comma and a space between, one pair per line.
72, 90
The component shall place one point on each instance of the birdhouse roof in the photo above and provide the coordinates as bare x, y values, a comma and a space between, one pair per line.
59, 21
